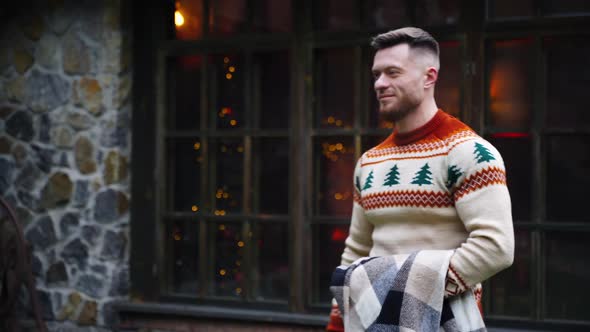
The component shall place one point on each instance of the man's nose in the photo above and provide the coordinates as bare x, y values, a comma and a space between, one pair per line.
380, 83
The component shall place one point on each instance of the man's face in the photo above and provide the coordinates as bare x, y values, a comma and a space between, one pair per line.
399, 81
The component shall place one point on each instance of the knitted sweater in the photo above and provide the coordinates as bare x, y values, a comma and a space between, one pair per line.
441, 187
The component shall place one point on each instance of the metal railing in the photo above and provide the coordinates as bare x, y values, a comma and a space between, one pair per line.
15, 271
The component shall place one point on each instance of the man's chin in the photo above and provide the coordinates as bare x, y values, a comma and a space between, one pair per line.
392, 116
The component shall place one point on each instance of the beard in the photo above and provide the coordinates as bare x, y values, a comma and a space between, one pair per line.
395, 112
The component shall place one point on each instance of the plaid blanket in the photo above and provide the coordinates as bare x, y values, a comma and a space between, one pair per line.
403, 293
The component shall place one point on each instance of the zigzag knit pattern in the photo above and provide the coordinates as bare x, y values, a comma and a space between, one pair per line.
407, 198
483, 178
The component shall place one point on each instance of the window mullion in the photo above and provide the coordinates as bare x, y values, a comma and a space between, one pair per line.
539, 183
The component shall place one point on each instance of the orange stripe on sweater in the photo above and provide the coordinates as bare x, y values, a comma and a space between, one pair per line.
482, 178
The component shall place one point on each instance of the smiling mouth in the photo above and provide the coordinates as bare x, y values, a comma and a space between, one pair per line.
385, 96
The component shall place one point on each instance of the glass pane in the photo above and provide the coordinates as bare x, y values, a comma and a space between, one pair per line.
228, 164
333, 173
510, 290
336, 15
510, 83
183, 236
568, 275
516, 150
571, 7
272, 16
334, 88
568, 178
229, 251
387, 13
188, 19
272, 274
567, 81
228, 81
272, 158
184, 162
184, 92
448, 86
509, 8
369, 142
227, 17
437, 12
273, 76
328, 244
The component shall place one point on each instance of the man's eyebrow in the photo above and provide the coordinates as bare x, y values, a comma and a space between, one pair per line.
373, 70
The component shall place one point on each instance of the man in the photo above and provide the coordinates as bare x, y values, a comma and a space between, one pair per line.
433, 184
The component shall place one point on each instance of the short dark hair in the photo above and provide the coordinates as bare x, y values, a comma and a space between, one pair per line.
414, 37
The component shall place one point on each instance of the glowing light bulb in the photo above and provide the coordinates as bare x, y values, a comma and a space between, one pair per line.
178, 19
195, 208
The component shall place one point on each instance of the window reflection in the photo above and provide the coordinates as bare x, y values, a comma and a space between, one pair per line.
188, 19
272, 15
333, 173
510, 84
328, 244
567, 269
229, 276
228, 73
184, 174
516, 150
509, 8
510, 290
334, 88
228, 165
387, 13
437, 12
568, 178
562, 7
184, 92
336, 14
272, 158
567, 81
183, 236
272, 274
227, 17
448, 86
273, 76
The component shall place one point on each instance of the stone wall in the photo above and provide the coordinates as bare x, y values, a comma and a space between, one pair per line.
65, 107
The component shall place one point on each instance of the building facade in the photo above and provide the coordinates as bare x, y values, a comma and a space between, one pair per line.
188, 165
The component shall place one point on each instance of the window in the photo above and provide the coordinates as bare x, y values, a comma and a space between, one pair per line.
263, 108
534, 83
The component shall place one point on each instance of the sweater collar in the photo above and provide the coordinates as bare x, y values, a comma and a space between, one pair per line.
421, 132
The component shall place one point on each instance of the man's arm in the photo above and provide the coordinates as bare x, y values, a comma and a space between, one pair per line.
359, 241
483, 204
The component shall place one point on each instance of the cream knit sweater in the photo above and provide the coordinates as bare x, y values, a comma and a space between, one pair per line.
439, 187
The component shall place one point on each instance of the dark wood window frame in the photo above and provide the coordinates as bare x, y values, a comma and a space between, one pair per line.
151, 24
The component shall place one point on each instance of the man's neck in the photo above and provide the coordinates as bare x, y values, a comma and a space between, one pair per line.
419, 117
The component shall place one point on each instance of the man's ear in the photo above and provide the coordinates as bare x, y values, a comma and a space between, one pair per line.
431, 77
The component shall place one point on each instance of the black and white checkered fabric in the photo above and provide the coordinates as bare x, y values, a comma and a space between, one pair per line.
403, 293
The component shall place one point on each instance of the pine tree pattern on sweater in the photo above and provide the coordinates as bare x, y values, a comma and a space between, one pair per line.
439, 187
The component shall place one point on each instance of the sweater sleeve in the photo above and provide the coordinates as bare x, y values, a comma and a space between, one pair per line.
477, 180
359, 241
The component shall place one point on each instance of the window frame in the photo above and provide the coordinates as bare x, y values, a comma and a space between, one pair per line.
148, 279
